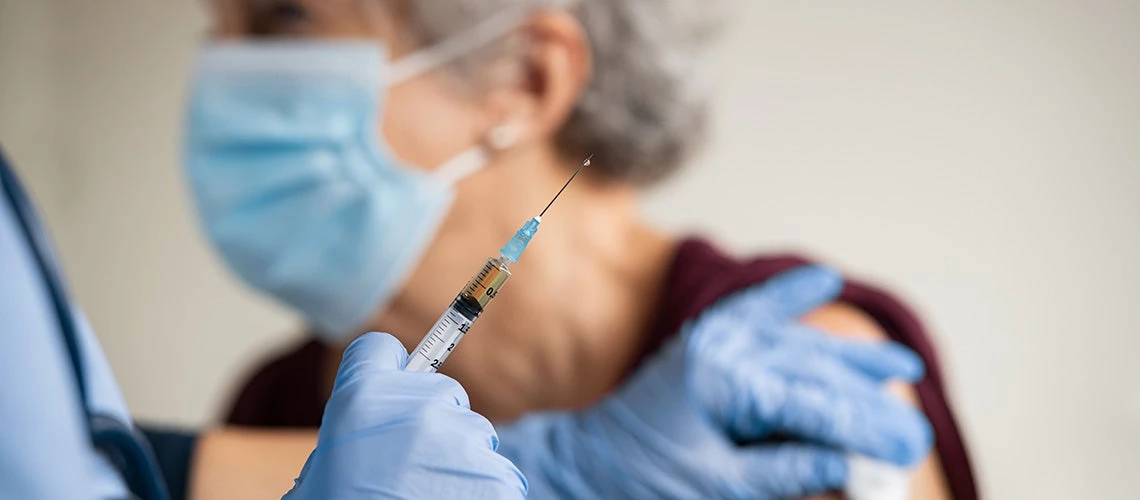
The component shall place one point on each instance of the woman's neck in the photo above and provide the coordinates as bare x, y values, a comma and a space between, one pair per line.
571, 320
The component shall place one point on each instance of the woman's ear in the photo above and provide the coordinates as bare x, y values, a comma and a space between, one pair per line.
547, 79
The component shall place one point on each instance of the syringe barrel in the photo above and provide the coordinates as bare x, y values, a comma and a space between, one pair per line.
441, 339
455, 322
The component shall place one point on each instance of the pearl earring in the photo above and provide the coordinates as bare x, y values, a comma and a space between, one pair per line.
503, 136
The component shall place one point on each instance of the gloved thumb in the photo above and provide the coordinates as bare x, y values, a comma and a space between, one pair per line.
371, 352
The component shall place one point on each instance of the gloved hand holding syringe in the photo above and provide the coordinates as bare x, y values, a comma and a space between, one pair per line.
456, 321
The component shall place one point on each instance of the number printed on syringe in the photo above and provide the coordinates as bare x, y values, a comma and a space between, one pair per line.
441, 340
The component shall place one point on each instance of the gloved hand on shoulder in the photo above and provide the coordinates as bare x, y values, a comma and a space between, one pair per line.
744, 371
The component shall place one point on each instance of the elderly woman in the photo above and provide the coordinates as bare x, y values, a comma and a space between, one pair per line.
485, 108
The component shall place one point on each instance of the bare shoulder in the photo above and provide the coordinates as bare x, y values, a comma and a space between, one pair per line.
845, 320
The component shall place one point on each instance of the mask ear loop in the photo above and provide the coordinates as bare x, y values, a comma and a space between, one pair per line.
500, 138
462, 165
474, 38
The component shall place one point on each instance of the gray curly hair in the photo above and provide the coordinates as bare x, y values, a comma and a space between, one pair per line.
644, 110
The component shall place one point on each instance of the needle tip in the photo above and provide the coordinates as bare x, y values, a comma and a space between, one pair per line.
585, 164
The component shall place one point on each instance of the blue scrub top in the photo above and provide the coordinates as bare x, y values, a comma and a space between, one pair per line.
45, 445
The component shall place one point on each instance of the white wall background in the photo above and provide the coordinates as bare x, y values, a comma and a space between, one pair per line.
982, 158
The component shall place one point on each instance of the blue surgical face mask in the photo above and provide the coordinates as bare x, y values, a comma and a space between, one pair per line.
292, 183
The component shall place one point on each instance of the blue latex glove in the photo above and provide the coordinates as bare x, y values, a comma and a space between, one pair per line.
388, 433
744, 371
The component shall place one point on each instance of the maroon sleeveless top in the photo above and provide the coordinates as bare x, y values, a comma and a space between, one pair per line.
286, 390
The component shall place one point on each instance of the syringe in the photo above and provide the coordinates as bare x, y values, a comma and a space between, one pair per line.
456, 321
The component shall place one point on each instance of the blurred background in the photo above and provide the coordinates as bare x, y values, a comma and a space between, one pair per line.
980, 158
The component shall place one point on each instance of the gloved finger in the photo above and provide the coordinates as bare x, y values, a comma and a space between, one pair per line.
792, 470
823, 402
818, 398
756, 399
372, 351
458, 426
879, 360
790, 294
